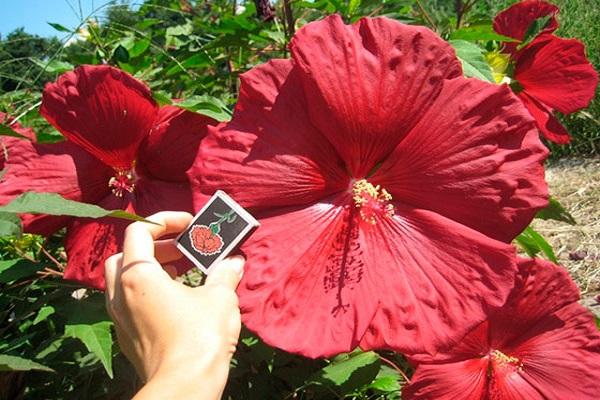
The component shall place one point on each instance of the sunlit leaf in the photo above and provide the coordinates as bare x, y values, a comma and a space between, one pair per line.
88, 321
55, 204
554, 210
13, 270
8, 131
473, 60
206, 105
345, 366
14, 363
10, 224
54, 66
533, 243
479, 32
44, 313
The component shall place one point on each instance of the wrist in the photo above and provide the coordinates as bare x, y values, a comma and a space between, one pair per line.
188, 377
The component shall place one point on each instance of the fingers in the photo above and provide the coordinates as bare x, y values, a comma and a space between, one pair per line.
227, 273
171, 270
139, 236
111, 267
166, 251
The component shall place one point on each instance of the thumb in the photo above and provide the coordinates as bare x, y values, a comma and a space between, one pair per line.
227, 273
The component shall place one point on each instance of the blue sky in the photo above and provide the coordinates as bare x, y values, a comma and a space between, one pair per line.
34, 15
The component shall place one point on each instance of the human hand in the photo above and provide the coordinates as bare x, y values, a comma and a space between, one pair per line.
178, 338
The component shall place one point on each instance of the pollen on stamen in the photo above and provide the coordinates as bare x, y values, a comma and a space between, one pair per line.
123, 181
373, 201
502, 360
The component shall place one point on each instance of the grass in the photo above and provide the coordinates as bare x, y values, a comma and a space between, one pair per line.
575, 182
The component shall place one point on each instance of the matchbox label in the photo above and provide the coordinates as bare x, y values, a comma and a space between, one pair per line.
216, 231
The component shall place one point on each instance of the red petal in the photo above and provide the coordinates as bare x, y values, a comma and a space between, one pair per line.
433, 287
103, 109
554, 337
169, 151
269, 154
562, 357
549, 126
541, 289
27, 132
63, 168
465, 380
152, 196
304, 288
517, 19
474, 157
370, 82
90, 242
556, 72
511, 385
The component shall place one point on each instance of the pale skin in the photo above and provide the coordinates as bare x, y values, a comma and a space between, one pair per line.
180, 339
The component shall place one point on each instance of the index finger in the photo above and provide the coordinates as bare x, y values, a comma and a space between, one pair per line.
138, 244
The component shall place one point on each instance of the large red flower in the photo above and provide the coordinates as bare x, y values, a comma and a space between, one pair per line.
550, 73
372, 164
541, 345
122, 152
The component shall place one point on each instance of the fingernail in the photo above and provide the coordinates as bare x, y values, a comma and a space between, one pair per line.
237, 263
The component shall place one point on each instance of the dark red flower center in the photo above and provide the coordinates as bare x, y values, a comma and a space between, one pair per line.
123, 181
373, 201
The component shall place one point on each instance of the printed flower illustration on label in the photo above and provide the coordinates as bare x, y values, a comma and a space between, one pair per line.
206, 240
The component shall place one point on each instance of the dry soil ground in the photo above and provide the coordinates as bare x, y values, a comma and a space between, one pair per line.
575, 182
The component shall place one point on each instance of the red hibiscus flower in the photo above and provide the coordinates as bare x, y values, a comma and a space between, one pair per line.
541, 345
6, 141
550, 73
205, 241
122, 152
372, 164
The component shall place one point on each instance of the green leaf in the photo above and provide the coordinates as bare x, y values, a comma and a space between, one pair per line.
8, 131
387, 380
353, 6
386, 384
162, 98
533, 243
215, 228
14, 363
10, 224
55, 204
535, 29
13, 270
44, 313
554, 210
120, 54
54, 66
59, 27
343, 367
597, 322
206, 105
135, 47
479, 32
88, 321
473, 60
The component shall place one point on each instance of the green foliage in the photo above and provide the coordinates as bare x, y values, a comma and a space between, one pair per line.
556, 211
473, 61
13, 363
55, 204
534, 244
